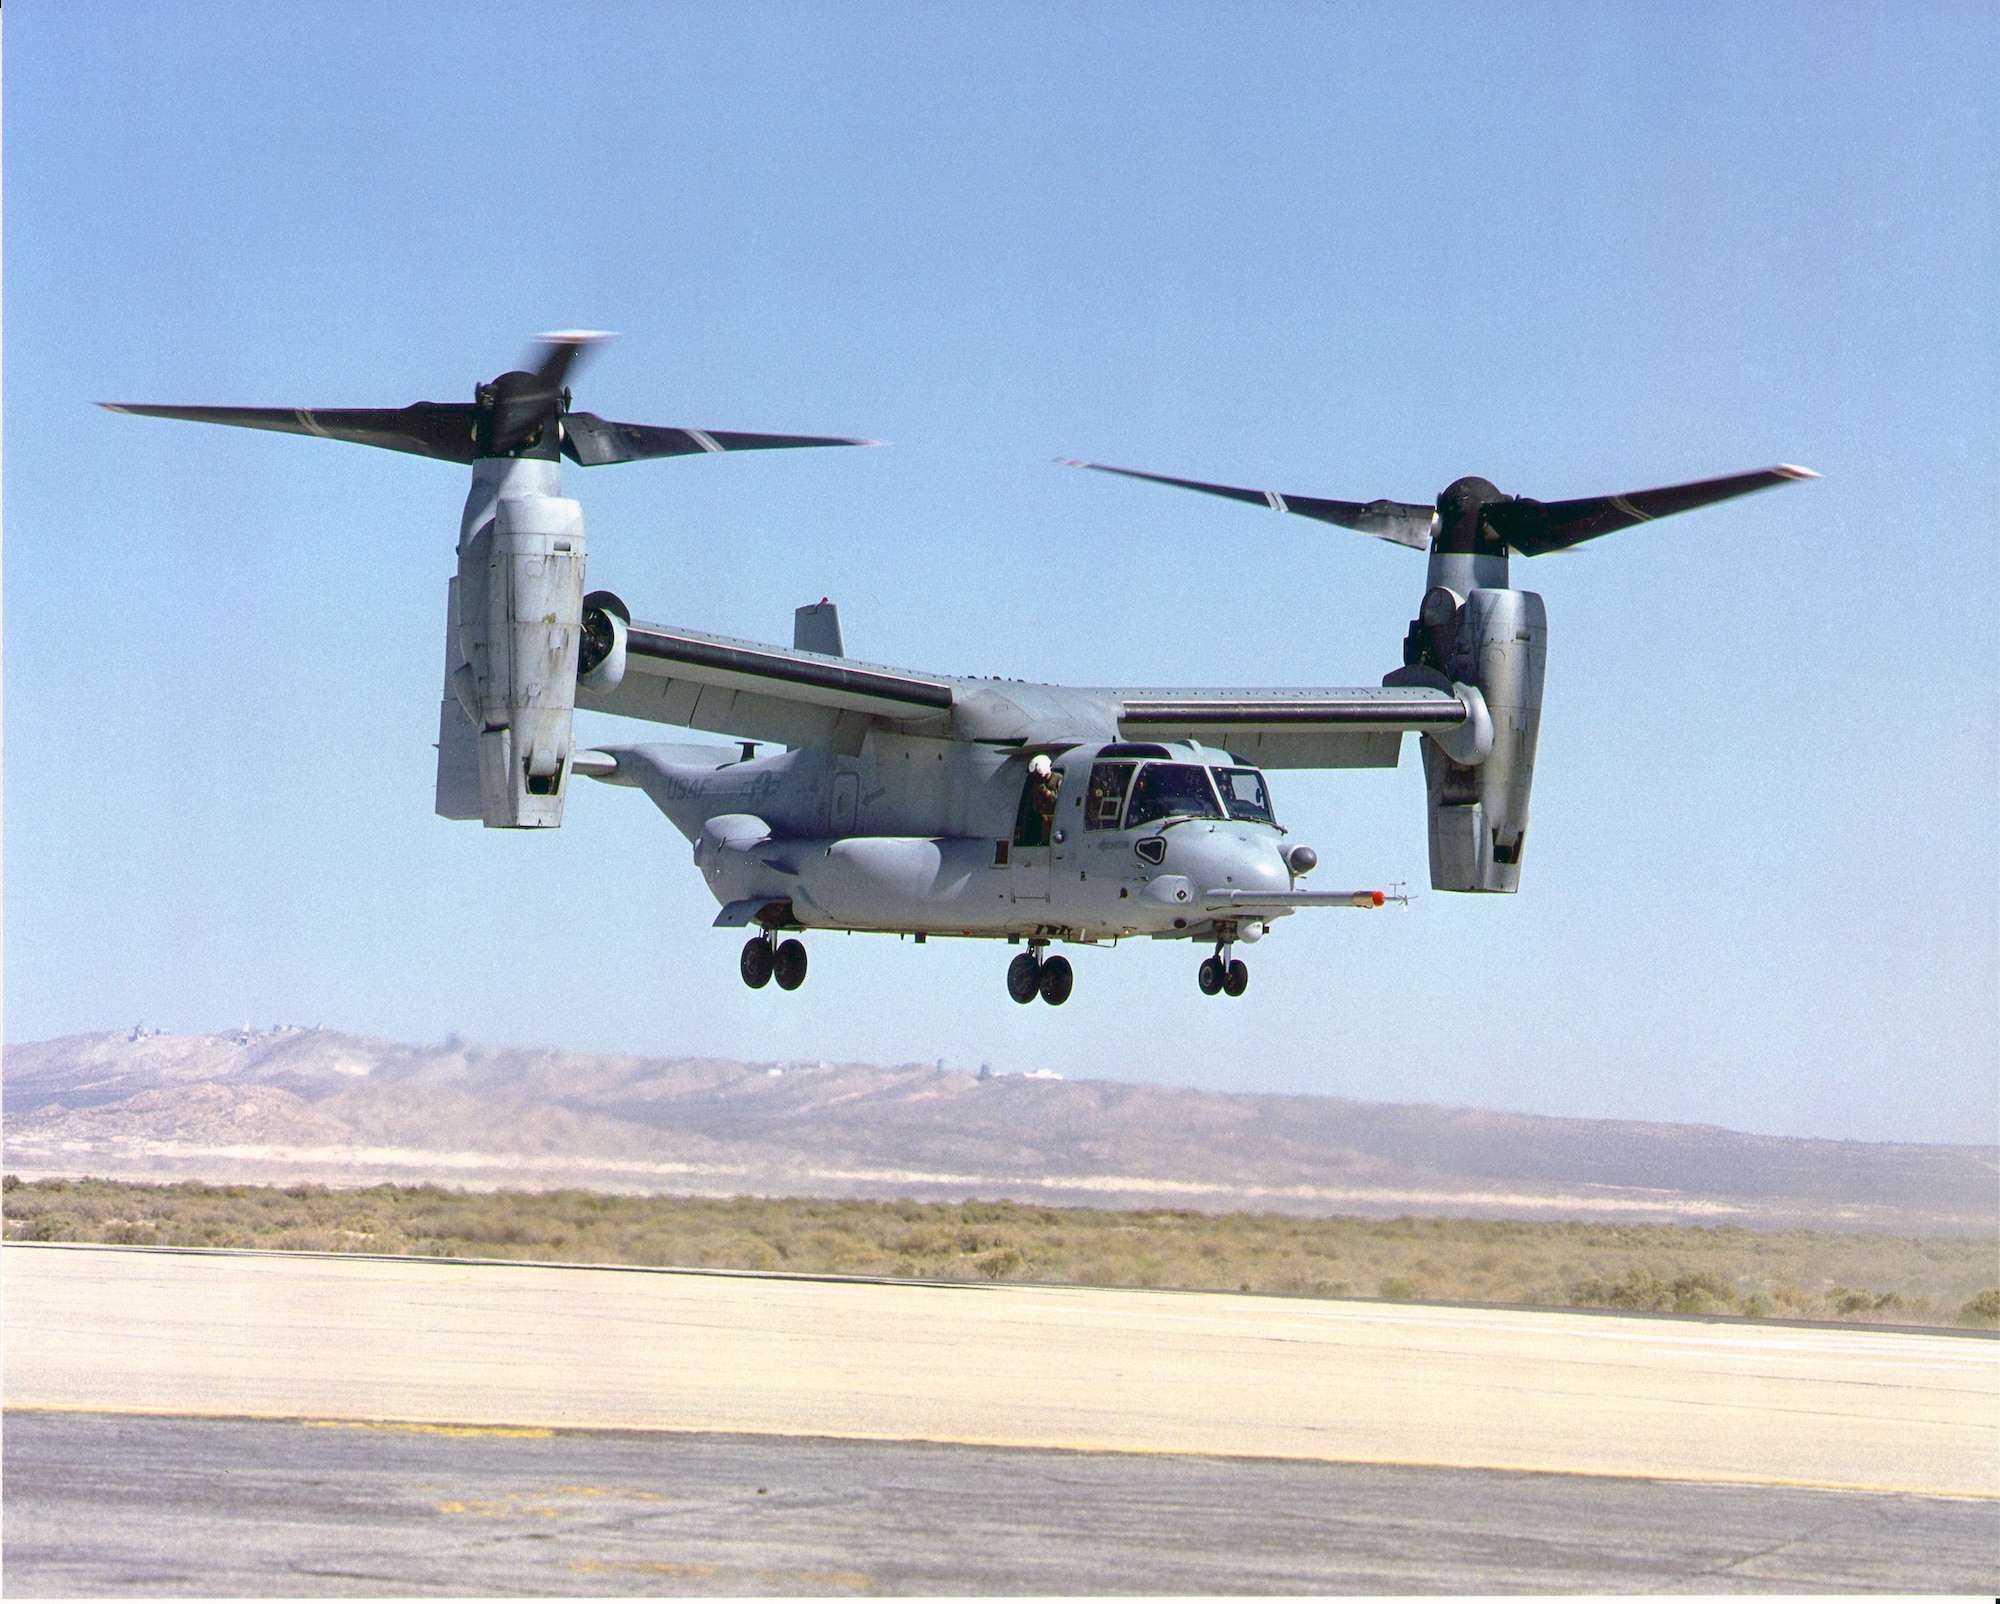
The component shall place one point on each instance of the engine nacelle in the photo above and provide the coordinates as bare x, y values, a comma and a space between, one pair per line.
1495, 642
600, 657
517, 611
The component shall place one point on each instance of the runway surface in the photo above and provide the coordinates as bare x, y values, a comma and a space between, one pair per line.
119, 1504
290, 1335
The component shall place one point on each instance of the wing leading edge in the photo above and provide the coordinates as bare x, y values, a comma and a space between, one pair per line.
1358, 727
766, 693
753, 691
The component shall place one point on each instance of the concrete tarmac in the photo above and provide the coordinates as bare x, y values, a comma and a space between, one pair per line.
351, 1338
105, 1505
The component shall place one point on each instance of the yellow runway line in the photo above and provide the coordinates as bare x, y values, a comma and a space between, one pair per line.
414, 1344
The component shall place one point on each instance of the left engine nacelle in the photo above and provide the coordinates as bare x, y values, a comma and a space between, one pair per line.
516, 610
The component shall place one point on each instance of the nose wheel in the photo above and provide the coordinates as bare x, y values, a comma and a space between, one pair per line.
1223, 973
1031, 975
765, 960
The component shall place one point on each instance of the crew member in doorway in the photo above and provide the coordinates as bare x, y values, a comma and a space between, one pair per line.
1034, 820
1044, 786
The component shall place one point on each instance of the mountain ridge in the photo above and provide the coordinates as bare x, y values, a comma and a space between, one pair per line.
320, 1106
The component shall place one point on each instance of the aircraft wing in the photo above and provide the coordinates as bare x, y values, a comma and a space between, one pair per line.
765, 693
759, 692
1352, 728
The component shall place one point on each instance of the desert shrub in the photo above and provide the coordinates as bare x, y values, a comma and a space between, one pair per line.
1638, 1290
1982, 1309
1701, 1293
1703, 1270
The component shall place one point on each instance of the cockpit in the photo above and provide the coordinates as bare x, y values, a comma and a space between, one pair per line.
1134, 784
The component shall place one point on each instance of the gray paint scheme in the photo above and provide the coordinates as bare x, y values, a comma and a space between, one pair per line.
754, 691
901, 800
919, 833
897, 784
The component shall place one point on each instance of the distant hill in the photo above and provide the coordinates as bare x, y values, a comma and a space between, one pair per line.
293, 1105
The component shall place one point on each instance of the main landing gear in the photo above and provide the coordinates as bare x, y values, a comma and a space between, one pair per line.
765, 959
1031, 975
1223, 973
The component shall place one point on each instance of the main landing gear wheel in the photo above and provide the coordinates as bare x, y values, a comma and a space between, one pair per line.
1056, 980
1217, 974
756, 963
1024, 978
788, 964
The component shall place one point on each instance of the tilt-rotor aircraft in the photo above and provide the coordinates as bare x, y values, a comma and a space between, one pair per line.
937, 804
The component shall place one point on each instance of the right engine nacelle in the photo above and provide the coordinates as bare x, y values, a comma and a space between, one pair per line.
1497, 642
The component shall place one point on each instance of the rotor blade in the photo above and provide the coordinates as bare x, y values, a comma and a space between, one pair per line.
589, 441
1398, 521
555, 354
441, 429
1534, 527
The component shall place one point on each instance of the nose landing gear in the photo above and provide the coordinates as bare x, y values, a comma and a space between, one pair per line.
1031, 975
764, 960
1223, 973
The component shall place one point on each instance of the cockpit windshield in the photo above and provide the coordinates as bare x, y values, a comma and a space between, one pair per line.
1171, 790
1243, 791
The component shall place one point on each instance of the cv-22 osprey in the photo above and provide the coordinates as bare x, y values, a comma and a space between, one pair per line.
943, 805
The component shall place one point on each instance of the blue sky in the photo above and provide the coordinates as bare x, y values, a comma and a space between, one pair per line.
1353, 251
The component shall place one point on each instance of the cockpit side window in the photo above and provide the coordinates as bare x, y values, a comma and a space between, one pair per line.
1243, 792
1171, 790
1106, 794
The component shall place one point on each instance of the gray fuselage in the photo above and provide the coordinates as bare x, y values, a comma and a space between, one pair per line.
942, 837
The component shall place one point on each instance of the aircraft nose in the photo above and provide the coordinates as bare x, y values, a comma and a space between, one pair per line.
1239, 865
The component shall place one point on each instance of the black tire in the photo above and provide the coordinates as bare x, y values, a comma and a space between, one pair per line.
788, 964
1024, 978
1210, 977
756, 963
1236, 978
1057, 980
